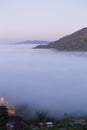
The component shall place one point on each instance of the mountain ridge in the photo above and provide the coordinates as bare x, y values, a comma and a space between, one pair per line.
33, 42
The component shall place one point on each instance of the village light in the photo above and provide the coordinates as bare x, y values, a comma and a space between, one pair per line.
11, 109
1, 99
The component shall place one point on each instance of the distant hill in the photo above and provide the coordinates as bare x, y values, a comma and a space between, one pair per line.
33, 42
75, 41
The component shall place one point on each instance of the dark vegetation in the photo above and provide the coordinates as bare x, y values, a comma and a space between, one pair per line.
19, 123
58, 123
4, 118
26, 111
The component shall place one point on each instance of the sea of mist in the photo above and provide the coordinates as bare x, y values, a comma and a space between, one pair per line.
45, 79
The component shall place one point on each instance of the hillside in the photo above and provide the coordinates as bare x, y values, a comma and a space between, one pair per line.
74, 41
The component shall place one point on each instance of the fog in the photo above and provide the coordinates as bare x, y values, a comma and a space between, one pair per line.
44, 79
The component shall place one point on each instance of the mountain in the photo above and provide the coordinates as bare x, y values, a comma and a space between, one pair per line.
33, 42
75, 41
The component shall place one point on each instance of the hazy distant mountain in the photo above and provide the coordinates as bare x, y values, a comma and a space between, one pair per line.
75, 41
33, 42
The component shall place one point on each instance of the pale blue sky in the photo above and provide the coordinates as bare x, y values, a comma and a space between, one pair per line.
40, 19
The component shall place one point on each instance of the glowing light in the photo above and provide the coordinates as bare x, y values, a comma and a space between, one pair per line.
1, 99
11, 109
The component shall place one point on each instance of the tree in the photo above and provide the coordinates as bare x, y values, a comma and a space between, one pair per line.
27, 112
3, 116
41, 116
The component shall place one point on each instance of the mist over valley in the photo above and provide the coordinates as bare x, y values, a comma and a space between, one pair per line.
44, 79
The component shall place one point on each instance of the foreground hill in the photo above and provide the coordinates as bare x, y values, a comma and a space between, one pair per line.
75, 41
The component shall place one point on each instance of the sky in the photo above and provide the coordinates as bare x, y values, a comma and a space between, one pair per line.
40, 19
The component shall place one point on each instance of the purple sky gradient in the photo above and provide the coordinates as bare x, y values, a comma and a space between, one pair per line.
40, 19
